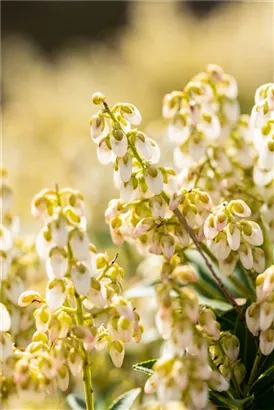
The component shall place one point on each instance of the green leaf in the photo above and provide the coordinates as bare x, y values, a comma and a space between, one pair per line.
264, 375
126, 400
235, 403
75, 402
145, 367
215, 304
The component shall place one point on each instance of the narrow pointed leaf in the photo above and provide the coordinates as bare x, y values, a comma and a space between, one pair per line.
126, 400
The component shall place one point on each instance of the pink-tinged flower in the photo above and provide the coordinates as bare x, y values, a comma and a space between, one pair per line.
75, 362
267, 341
253, 318
198, 393
62, 378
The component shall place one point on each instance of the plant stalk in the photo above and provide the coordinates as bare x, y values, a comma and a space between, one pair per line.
89, 396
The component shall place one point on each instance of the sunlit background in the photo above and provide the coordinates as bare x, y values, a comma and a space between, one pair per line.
55, 55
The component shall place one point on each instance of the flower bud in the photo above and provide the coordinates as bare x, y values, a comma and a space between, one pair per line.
231, 346
239, 372
98, 98
28, 297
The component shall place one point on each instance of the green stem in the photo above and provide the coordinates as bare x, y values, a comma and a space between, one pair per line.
255, 367
86, 364
267, 245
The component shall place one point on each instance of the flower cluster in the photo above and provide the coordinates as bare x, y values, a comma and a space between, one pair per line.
83, 308
18, 262
185, 373
262, 123
230, 236
202, 114
260, 315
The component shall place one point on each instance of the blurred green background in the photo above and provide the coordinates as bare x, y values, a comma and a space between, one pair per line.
56, 54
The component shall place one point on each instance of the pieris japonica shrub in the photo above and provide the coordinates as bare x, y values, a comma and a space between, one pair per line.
209, 219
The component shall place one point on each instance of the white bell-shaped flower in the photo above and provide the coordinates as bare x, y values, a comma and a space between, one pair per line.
246, 256
55, 293
197, 149
198, 394
5, 321
143, 146
59, 231
218, 382
42, 318
154, 180
233, 236
220, 247
240, 208
262, 177
179, 130
81, 279
57, 263
79, 243
258, 260
6, 240
125, 168
117, 353
209, 229
131, 114
267, 341
44, 243
164, 320
253, 318
119, 144
5, 347
168, 245
156, 153
75, 362
99, 128
14, 289
252, 233
266, 315
62, 378
104, 153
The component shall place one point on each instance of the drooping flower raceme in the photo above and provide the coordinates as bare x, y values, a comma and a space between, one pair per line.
260, 314
83, 308
18, 262
231, 236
